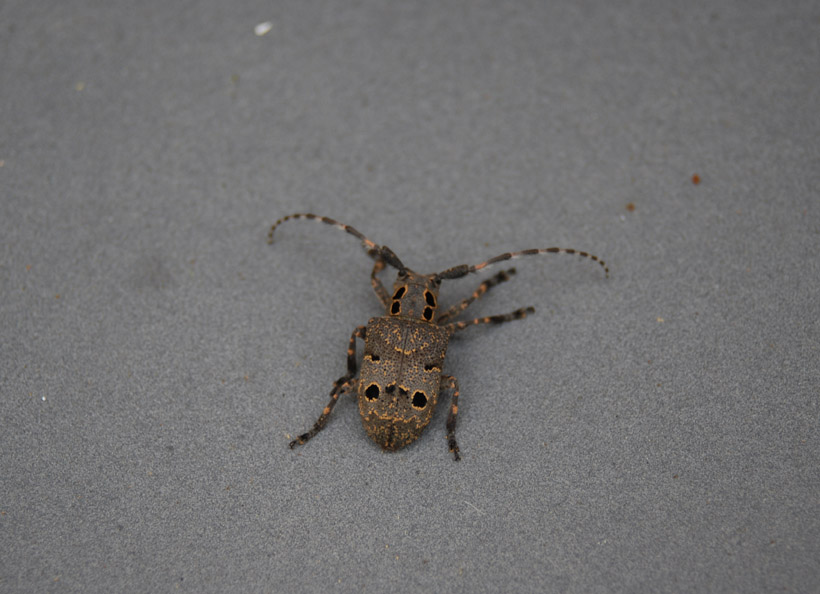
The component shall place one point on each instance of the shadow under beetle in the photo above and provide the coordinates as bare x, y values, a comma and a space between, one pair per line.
401, 373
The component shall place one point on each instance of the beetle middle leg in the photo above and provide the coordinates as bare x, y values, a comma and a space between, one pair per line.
518, 314
345, 384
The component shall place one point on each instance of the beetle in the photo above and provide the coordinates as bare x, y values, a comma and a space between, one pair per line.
401, 379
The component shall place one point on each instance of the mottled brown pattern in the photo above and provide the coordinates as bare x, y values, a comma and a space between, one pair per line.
402, 358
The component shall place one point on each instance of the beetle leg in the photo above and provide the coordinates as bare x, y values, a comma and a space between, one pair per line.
518, 314
378, 287
450, 384
488, 284
351, 352
343, 385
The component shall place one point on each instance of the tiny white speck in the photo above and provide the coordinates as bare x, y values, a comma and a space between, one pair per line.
262, 28
43, 398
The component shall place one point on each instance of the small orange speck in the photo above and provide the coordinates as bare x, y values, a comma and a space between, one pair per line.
695, 179
28, 267
57, 296
630, 207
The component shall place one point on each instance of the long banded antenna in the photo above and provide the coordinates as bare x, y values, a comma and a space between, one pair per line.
375, 251
463, 270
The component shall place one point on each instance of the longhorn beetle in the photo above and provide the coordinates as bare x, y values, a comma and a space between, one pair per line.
400, 378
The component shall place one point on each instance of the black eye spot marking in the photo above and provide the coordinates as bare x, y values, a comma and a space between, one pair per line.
428, 313
431, 367
372, 392
419, 400
399, 293
430, 298
373, 358
390, 388
395, 309
403, 391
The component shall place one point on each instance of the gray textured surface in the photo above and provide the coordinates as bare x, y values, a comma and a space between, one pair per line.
654, 432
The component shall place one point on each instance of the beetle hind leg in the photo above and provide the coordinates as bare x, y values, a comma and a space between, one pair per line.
342, 386
449, 384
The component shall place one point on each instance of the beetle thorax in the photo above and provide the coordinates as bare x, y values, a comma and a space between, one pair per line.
415, 296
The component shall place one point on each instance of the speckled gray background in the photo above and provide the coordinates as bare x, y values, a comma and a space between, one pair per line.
654, 432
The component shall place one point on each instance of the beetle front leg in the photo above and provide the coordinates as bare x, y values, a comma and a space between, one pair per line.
488, 284
378, 287
450, 384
